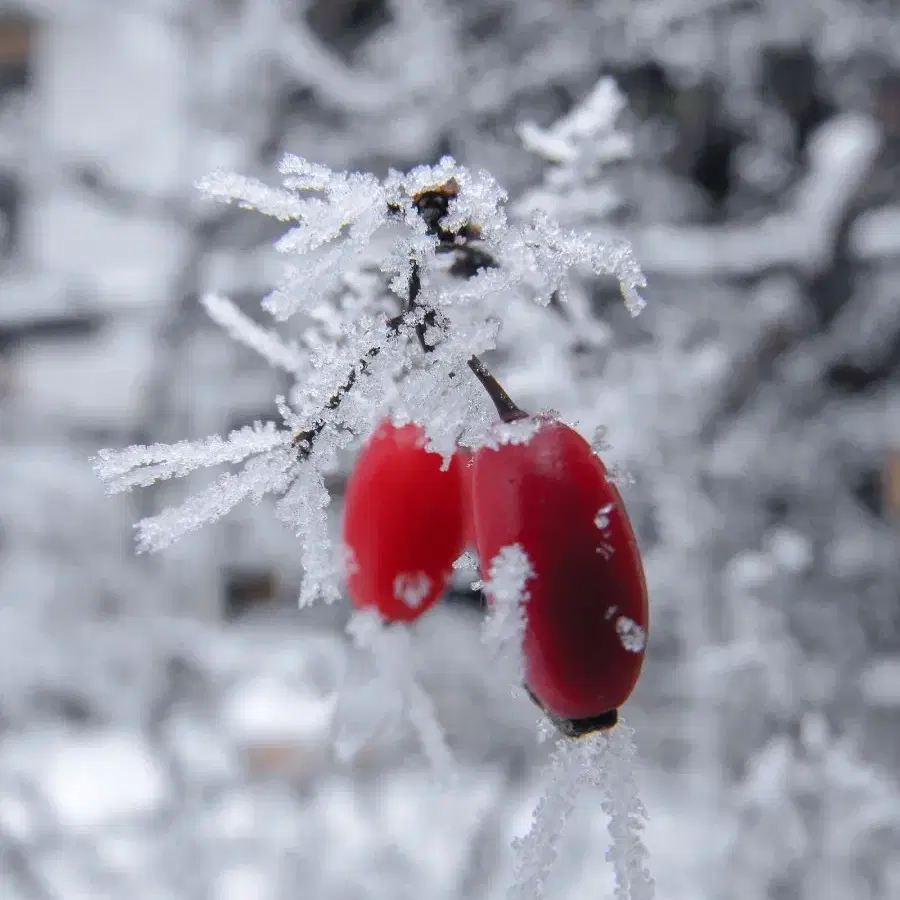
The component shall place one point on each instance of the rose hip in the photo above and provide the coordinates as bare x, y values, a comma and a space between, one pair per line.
587, 612
404, 523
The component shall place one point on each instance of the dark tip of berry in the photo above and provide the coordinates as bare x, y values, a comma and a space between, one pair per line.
578, 728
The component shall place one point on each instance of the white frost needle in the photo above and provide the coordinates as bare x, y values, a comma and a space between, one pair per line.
504, 626
391, 649
604, 761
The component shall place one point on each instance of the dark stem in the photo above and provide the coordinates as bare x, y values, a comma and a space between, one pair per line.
302, 441
506, 409
428, 319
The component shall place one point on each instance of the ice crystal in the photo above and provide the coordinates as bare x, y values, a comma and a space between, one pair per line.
504, 626
581, 143
599, 442
632, 637
390, 646
412, 588
603, 761
601, 520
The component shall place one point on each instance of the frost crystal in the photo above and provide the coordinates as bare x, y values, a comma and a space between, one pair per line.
618, 476
599, 442
504, 625
601, 520
603, 761
579, 148
467, 560
390, 646
412, 589
632, 636
268, 344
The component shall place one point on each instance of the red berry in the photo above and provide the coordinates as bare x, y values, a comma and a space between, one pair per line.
467, 468
587, 610
404, 523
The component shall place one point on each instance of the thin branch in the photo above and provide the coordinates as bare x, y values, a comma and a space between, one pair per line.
303, 440
470, 259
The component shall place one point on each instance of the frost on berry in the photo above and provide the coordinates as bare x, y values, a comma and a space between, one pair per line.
599, 442
619, 477
601, 520
602, 762
504, 626
468, 559
632, 636
412, 588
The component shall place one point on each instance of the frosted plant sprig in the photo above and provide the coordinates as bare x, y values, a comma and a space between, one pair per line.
504, 626
603, 761
581, 142
443, 252
391, 649
242, 329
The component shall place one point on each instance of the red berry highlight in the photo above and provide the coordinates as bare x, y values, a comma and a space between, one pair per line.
587, 613
404, 524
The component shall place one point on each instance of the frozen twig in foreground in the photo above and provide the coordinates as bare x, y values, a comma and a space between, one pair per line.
504, 626
605, 761
391, 650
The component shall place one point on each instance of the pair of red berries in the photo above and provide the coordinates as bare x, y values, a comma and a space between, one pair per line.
406, 522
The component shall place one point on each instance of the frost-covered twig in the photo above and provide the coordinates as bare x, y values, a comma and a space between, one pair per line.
267, 343
140, 465
604, 761
390, 646
504, 626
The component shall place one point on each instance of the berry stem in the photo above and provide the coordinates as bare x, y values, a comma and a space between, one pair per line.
506, 408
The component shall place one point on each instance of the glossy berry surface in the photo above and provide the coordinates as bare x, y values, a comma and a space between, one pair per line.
587, 613
404, 524
467, 470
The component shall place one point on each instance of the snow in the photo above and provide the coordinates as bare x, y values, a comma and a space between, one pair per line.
112, 374
877, 234
241, 882
265, 709
140, 146
101, 779
880, 683
391, 649
504, 627
604, 761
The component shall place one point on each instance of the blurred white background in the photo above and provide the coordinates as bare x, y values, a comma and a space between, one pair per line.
165, 720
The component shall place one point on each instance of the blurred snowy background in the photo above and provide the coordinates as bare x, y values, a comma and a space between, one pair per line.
165, 721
